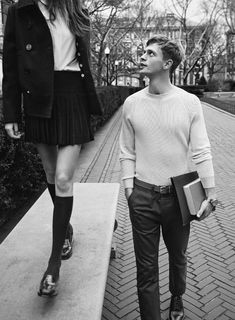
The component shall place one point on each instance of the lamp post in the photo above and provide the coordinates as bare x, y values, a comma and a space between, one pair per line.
116, 66
107, 52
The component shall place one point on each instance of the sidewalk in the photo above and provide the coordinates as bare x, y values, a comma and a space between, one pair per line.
210, 291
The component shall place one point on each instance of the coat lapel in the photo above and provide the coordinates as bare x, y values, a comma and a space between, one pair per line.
25, 3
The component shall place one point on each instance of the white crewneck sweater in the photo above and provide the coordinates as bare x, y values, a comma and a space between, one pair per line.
157, 133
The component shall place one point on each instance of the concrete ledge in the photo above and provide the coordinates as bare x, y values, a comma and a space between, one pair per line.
25, 252
220, 94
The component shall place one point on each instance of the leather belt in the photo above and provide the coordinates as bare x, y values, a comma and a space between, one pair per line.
168, 189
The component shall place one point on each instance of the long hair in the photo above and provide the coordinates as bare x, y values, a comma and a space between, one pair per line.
72, 11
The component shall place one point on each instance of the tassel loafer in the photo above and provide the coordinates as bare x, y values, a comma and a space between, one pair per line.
48, 286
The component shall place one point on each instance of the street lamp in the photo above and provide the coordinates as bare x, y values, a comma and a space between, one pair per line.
107, 52
116, 66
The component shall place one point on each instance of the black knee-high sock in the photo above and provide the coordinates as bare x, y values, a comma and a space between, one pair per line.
51, 189
61, 216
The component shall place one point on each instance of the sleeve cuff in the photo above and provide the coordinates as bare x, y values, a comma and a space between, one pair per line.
128, 183
208, 182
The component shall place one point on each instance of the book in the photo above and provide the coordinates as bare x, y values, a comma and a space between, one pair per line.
178, 183
195, 195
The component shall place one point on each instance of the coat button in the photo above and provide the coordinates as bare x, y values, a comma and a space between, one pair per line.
28, 47
28, 92
78, 54
81, 65
82, 75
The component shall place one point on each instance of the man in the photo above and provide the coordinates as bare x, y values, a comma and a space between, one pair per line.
160, 123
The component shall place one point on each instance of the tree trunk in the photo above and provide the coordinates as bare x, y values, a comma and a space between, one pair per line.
100, 66
185, 74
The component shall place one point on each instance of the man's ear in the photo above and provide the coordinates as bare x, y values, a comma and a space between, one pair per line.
167, 65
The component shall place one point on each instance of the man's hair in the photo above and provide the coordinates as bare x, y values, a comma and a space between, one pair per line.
170, 49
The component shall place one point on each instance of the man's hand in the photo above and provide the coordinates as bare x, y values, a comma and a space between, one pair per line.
13, 130
205, 210
128, 192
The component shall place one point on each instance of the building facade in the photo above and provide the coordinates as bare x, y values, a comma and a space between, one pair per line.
168, 25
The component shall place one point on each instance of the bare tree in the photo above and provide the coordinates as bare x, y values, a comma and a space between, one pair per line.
228, 7
147, 21
215, 57
104, 16
112, 23
195, 37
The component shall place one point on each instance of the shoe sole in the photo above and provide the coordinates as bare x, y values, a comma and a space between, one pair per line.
47, 295
171, 318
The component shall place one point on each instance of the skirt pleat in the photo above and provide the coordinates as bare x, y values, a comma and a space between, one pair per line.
70, 122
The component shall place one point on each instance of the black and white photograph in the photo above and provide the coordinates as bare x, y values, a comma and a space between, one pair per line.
117, 159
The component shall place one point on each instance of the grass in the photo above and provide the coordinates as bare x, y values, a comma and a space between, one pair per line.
224, 103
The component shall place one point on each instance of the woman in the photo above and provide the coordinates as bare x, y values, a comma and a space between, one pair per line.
46, 69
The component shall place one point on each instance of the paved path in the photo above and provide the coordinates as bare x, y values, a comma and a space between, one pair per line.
210, 291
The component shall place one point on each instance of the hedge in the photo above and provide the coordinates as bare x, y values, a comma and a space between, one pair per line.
21, 172
224, 105
198, 90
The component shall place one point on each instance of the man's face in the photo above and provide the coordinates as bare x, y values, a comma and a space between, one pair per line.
152, 61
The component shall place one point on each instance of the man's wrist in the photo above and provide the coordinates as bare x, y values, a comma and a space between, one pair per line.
210, 193
128, 192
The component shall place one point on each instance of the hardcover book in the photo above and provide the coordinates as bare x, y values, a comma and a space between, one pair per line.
179, 182
195, 195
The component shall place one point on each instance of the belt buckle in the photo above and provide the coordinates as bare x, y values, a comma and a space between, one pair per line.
164, 189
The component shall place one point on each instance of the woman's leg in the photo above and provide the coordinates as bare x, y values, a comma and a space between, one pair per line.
48, 156
66, 164
67, 159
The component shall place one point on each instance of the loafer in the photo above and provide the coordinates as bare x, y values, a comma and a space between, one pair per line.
49, 284
67, 249
176, 308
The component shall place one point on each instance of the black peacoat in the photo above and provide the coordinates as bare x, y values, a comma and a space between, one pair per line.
28, 64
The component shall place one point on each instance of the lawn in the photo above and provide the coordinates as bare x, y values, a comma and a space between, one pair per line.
224, 102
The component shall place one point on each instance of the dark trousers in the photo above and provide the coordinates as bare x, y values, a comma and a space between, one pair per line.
148, 211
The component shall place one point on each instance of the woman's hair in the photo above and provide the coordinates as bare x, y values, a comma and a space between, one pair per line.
74, 13
170, 49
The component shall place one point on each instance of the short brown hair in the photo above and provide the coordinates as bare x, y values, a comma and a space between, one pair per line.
170, 49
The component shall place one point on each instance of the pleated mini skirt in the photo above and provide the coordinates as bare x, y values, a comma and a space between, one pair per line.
70, 122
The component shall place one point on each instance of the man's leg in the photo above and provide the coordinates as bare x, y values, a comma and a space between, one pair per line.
146, 233
176, 238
